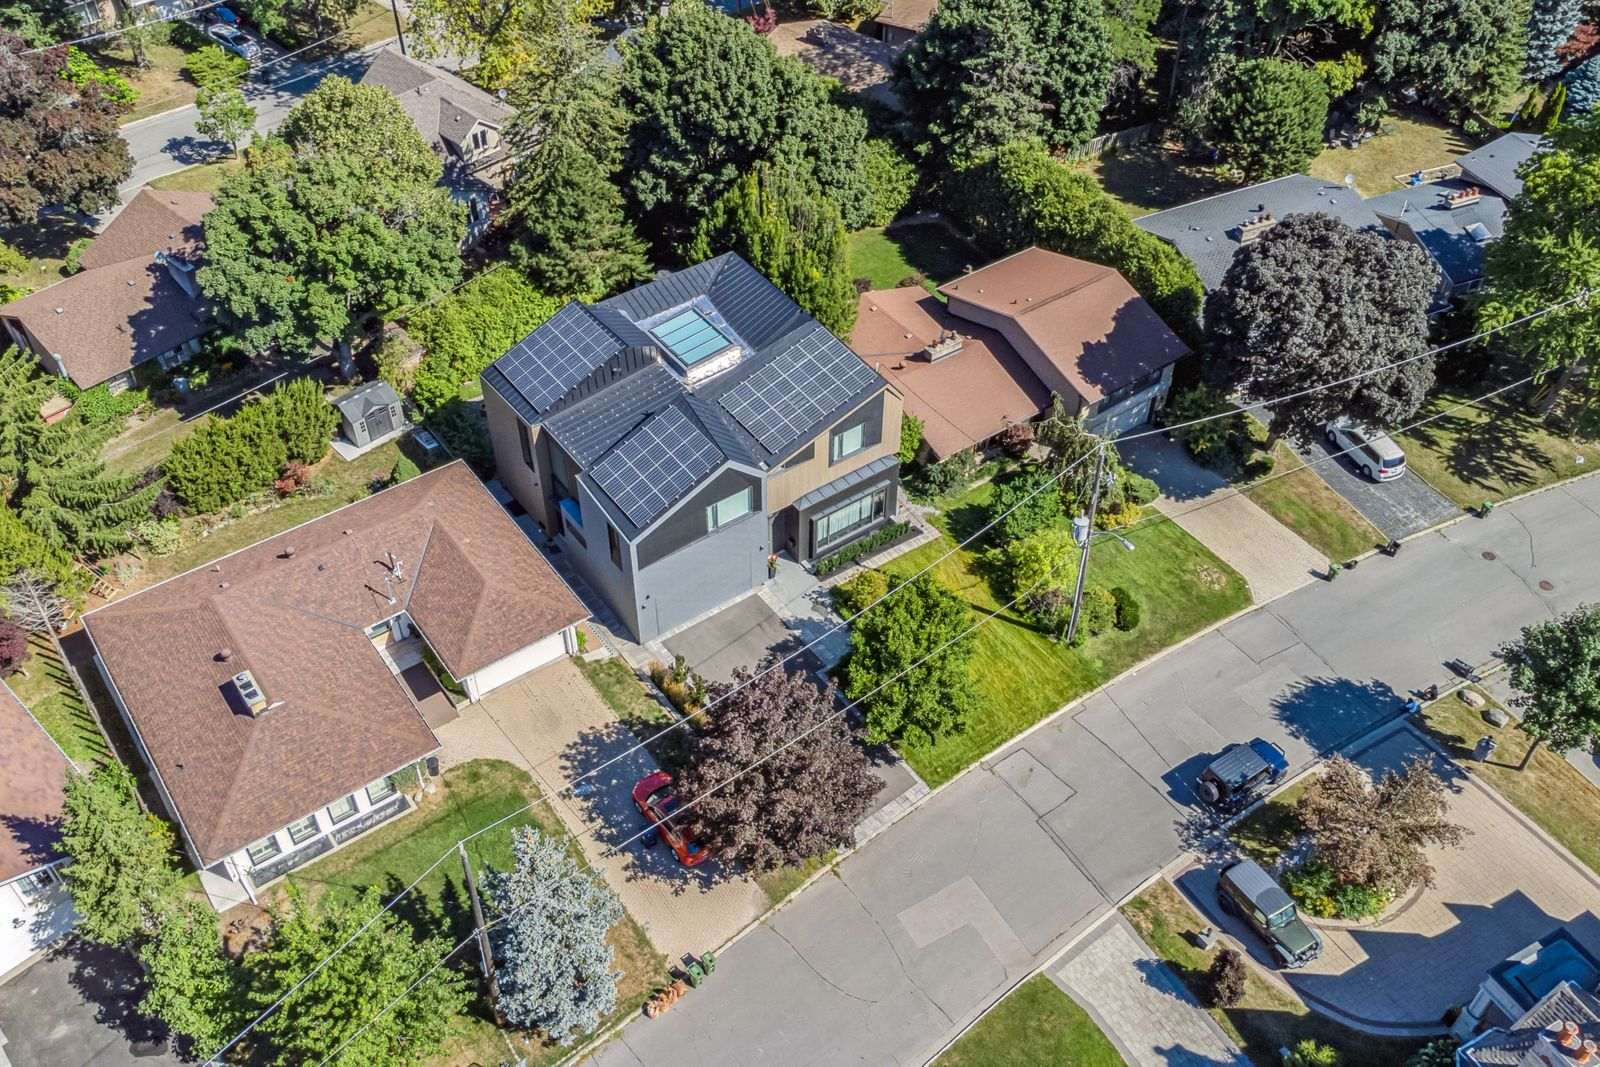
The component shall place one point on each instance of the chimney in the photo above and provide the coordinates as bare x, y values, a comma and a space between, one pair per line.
182, 273
1463, 197
1570, 1037
1586, 1052
1252, 229
224, 654
948, 344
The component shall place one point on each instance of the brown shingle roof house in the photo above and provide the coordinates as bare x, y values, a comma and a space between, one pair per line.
135, 298
1013, 333
33, 772
275, 690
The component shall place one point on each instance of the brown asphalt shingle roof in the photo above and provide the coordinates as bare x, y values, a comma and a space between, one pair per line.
962, 399
1091, 325
154, 219
33, 772
913, 15
472, 582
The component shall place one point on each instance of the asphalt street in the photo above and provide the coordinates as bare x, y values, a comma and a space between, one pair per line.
935, 919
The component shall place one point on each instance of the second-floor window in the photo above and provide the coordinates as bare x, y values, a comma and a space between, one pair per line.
614, 542
728, 509
848, 442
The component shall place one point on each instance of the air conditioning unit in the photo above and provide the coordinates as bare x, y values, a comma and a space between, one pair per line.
254, 699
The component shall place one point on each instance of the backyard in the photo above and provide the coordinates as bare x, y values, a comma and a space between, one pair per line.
1035, 1024
1498, 448
48, 691
1021, 673
1407, 141
887, 257
1306, 504
1152, 177
471, 796
1270, 1017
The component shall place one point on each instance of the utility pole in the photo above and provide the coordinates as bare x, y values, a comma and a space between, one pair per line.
399, 30
485, 954
1088, 539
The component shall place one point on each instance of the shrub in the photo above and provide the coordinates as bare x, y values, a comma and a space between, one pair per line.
856, 549
849, 598
73, 261
160, 536
683, 686
13, 647
396, 362
910, 438
1045, 559
1139, 489
1359, 901
847, 10
404, 471
945, 476
1015, 439
1050, 608
1311, 885
98, 406
1437, 1053
1098, 612
302, 417
470, 329
214, 68
762, 22
295, 475
1225, 980
1023, 505
81, 70
1127, 608
461, 429
1309, 1053
891, 177
1117, 518
226, 460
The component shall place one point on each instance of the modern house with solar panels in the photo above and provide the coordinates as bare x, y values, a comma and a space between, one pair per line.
671, 438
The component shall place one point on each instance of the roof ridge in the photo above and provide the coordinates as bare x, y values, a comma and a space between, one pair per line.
1101, 275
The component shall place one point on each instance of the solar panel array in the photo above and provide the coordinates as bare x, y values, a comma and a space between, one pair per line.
650, 469
787, 398
556, 356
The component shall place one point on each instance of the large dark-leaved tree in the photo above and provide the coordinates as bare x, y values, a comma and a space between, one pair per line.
341, 221
1462, 55
1314, 302
988, 72
572, 237
1267, 117
1554, 667
910, 663
792, 782
707, 100
61, 143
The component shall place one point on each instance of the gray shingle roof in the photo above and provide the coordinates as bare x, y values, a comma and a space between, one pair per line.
443, 107
357, 402
1506, 1048
1495, 164
1207, 231
1446, 233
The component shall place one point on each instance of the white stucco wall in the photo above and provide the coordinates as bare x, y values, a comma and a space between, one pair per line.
29, 926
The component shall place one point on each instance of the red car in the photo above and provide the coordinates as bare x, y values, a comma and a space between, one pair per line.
656, 801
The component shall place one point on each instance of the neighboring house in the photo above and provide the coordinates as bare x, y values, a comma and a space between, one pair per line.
1208, 232
458, 120
134, 300
1494, 166
1562, 1028
1039, 323
1515, 986
277, 692
35, 909
672, 437
900, 21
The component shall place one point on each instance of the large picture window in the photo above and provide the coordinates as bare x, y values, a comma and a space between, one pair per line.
728, 509
380, 790
303, 830
846, 519
848, 442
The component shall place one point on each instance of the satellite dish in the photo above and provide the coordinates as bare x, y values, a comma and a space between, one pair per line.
1350, 180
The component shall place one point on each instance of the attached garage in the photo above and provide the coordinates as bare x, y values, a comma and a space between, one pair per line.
548, 650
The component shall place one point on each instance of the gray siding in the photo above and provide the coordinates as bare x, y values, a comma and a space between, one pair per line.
803, 518
593, 558
707, 574
688, 523
868, 415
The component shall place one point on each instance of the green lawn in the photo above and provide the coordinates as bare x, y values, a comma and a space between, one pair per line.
1021, 674
1153, 176
885, 258
780, 883
1408, 141
470, 796
46, 248
1550, 791
48, 692
1270, 1017
162, 85
1035, 1024
148, 440
1499, 448
639, 711
1269, 831
201, 178
1308, 505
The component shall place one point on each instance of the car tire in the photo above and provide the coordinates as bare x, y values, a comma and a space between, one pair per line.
1225, 904
1366, 468
651, 839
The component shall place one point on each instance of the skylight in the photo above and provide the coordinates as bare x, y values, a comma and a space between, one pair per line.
690, 337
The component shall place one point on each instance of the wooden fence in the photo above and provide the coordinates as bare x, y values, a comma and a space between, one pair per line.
1097, 146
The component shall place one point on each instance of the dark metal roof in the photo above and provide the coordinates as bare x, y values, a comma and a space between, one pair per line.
859, 476
591, 427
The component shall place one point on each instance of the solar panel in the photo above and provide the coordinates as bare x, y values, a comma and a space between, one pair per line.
689, 337
556, 356
650, 469
788, 397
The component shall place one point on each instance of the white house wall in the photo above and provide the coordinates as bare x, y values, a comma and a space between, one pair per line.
28, 927
514, 666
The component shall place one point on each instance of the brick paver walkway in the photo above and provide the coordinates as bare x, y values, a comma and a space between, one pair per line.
1141, 1005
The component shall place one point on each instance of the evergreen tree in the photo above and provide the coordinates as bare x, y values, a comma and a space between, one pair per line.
1267, 116
572, 237
302, 417
792, 234
910, 663
122, 878
1461, 54
555, 965
1549, 27
1582, 85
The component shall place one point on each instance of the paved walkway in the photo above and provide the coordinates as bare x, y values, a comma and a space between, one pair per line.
554, 724
1142, 1006
1273, 559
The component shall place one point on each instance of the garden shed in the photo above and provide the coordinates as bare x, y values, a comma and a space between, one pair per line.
370, 413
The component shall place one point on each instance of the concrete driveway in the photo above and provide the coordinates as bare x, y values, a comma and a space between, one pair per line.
553, 724
1272, 558
75, 1008
1398, 508
1503, 889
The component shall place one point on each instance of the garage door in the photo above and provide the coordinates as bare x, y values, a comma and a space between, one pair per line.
516, 665
1130, 414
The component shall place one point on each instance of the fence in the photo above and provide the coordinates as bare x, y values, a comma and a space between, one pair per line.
1097, 146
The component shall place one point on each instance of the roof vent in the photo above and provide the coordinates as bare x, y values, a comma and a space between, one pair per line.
1252, 229
1463, 197
245, 684
61, 311
948, 344
224, 654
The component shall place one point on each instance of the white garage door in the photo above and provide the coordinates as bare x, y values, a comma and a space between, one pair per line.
516, 665
1128, 415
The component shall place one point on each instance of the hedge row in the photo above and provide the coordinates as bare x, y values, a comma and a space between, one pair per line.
856, 549
226, 460
470, 329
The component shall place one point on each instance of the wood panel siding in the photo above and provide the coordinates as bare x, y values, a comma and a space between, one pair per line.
785, 485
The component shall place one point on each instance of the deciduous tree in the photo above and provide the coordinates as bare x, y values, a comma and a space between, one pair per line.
62, 142
910, 663
1023, 505
776, 776
357, 1010
367, 124
1226, 978
1377, 835
13, 647
122, 877
193, 987
1555, 669
498, 40
1267, 116
1361, 304
555, 965
225, 115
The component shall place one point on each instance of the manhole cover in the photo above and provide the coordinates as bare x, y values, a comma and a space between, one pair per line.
1490, 556
1548, 587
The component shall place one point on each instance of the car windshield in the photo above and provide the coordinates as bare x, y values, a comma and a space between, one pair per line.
1282, 918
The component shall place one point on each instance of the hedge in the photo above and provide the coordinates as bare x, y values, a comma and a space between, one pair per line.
226, 460
470, 329
856, 549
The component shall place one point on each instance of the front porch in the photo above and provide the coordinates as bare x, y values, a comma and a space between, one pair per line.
405, 652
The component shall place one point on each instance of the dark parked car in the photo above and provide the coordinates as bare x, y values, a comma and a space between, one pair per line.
1242, 772
1249, 892
657, 800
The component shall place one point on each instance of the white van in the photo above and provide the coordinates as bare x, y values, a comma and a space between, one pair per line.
1373, 452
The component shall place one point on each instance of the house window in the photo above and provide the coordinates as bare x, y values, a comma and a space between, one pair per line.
527, 447
380, 790
848, 442
263, 850
728, 509
480, 139
32, 886
342, 809
845, 520
614, 542
572, 519
303, 830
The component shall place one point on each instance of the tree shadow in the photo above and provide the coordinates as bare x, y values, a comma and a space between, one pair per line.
112, 981
1153, 175
1327, 712
1500, 450
190, 150
935, 250
50, 238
